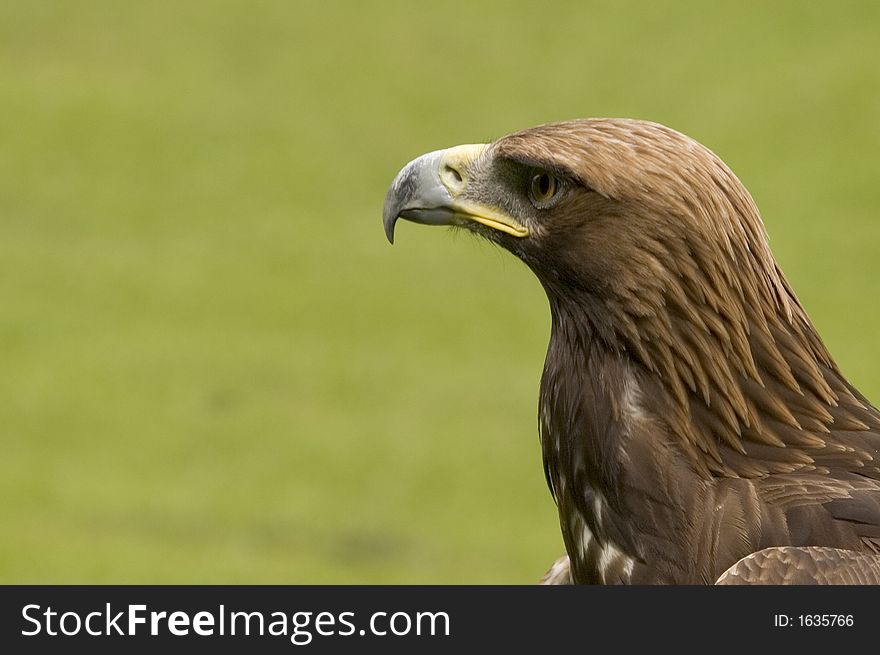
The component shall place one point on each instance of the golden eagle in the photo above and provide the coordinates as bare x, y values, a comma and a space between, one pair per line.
693, 425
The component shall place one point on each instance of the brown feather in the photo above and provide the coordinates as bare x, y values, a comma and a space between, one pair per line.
804, 566
709, 417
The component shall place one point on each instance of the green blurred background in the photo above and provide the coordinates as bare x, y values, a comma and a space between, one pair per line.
216, 370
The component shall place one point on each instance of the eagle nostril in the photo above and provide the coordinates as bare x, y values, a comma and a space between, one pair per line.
452, 177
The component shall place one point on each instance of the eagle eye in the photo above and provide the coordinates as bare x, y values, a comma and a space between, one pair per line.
543, 187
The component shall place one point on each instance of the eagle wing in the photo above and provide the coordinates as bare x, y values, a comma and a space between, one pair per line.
784, 565
812, 565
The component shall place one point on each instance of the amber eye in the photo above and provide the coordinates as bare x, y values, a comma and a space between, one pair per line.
543, 187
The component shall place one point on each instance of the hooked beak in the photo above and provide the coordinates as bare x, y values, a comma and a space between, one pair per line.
431, 190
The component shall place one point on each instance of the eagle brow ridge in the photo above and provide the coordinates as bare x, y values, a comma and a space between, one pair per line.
550, 166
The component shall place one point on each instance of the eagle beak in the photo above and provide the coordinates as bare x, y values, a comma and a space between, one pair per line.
430, 190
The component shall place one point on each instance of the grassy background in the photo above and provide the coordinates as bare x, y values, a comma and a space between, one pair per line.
215, 369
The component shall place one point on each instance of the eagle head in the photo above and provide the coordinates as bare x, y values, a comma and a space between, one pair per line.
614, 215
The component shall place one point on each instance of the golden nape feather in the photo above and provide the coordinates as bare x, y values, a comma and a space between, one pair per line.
693, 425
